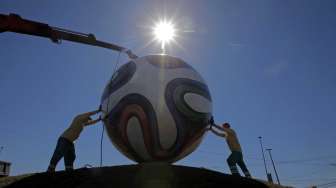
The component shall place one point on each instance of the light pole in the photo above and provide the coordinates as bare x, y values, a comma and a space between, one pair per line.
262, 150
269, 176
276, 174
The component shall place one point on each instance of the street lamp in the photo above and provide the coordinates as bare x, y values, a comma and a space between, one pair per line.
268, 175
276, 174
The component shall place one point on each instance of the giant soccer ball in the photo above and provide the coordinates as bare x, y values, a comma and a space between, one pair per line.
156, 108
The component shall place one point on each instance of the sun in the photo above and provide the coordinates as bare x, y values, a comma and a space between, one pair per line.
164, 32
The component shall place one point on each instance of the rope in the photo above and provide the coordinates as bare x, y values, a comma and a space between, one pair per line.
101, 146
108, 101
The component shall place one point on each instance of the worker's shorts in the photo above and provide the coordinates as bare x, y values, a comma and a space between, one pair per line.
66, 149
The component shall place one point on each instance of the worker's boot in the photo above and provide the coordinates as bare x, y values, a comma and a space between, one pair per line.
236, 174
51, 169
247, 174
69, 168
234, 170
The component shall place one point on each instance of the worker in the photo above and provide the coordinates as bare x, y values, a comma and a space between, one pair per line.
65, 145
236, 156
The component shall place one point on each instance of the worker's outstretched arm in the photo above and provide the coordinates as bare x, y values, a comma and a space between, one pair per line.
212, 124
91, 122
221, 134
218, 127
92, 112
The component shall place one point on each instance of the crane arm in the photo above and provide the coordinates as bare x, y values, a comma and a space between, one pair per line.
14, 23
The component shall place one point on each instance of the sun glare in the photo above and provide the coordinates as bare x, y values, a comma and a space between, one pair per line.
164, 32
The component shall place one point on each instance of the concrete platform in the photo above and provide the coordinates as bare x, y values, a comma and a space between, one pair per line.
152, 175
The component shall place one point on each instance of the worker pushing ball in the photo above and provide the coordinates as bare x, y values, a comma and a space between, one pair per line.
65, 145
236, 156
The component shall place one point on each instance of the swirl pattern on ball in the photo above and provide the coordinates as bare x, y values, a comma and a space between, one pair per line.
157, 108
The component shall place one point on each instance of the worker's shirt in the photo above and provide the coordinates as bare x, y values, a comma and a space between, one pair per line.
232, 140
76, 127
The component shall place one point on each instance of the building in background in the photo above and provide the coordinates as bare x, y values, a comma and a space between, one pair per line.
4, 168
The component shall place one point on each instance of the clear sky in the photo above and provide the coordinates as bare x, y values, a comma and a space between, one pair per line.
270, 66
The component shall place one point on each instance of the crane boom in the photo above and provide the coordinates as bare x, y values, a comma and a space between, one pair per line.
14, 23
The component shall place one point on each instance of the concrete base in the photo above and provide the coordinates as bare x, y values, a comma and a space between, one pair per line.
149, 175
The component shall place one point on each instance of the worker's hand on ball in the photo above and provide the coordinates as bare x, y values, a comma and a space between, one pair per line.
104, 117
100, 118
211, 121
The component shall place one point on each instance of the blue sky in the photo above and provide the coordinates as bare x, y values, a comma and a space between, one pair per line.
270, 66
